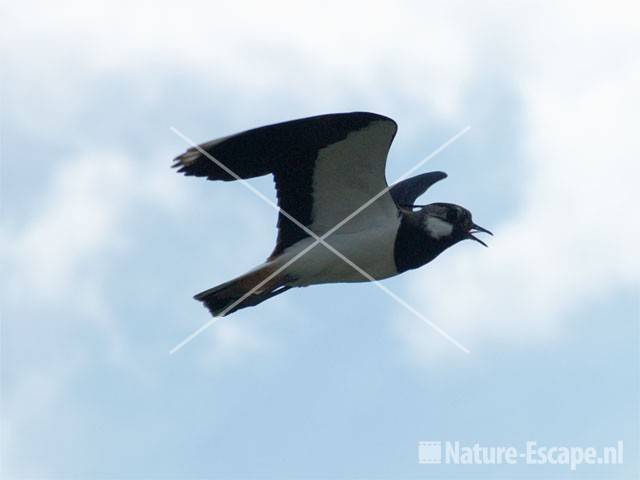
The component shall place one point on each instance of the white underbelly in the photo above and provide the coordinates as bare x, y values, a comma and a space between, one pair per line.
371, 250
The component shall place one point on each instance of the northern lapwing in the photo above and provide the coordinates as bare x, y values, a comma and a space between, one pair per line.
325, 168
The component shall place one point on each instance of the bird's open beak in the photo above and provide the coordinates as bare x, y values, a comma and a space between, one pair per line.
475, 229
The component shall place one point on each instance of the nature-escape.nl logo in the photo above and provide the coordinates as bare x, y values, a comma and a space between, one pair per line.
453, 453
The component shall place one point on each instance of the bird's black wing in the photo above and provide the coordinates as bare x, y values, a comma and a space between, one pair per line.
325, 167
406, 192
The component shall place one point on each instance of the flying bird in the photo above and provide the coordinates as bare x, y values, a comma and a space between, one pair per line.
326, 168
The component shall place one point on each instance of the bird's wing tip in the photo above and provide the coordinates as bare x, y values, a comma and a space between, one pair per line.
187, 158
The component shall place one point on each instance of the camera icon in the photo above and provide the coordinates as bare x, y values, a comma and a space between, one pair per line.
430, 452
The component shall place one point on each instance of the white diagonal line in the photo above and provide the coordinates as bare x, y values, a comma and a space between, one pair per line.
241, 299
320, 240
431, 155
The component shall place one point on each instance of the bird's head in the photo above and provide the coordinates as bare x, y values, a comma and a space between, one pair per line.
449, 223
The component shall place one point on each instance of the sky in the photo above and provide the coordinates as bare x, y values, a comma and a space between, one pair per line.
103, 245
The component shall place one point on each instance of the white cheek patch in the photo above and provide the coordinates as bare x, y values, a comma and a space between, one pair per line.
438, 228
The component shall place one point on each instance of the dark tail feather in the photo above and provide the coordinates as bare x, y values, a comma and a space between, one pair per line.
224, 299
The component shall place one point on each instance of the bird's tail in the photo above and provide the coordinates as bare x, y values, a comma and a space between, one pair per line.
235, 294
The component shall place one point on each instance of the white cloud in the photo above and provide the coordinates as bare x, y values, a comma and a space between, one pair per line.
574, 239
77, 219
56, 63
231, 343
56, 257
343, 50
81, 216
573, 81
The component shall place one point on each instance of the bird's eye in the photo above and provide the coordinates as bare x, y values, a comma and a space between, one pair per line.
452, 215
